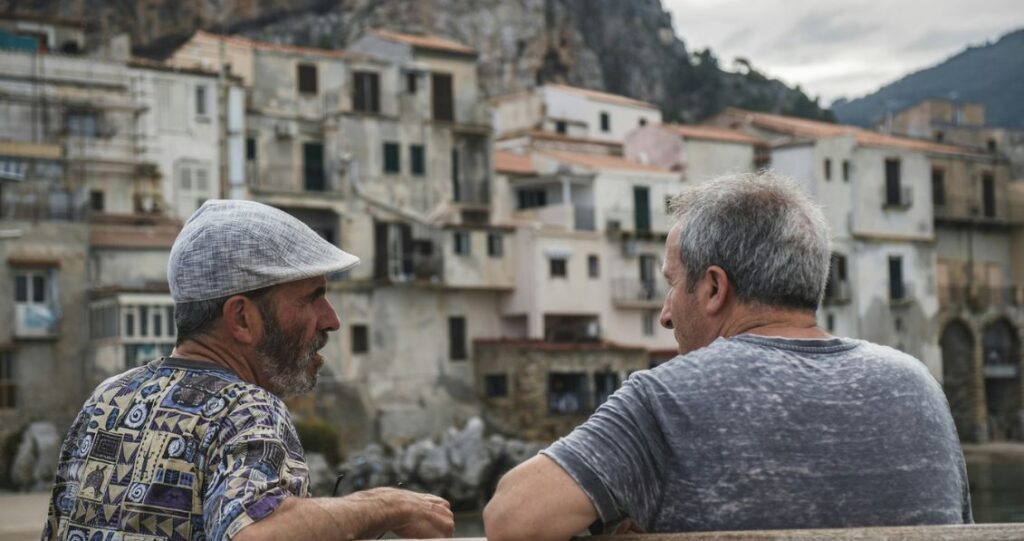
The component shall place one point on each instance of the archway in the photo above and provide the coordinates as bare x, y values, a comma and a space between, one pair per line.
1001, 354
958, 376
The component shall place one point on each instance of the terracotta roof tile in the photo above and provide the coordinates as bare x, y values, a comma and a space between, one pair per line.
511, 162
280, 47
713, 133
436, 43
801, 127
601, 162
603, 96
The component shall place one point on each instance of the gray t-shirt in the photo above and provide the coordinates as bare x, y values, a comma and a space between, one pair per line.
767, 433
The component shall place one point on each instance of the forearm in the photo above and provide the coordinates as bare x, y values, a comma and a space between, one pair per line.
364, 515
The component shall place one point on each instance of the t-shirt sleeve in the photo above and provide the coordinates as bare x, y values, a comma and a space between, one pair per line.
258, 464
616, 457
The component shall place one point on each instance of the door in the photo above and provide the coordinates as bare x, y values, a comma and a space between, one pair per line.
313, 166
648, 276
442, 96
642, 208
988, 195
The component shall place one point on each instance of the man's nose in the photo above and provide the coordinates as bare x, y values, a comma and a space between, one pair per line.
666, 315
329, 318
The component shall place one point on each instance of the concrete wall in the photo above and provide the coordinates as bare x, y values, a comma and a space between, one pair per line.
524, 411
705, 160
523, 111
42, 366
209, 52
180, 138
562, 104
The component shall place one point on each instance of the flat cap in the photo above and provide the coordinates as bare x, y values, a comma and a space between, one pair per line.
229, 247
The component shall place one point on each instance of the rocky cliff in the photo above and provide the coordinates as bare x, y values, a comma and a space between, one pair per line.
626, 47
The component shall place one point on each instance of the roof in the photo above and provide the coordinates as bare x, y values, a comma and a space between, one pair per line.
429, 42
815, 129
514, 163
145, 63
602, 96
43, 18
278, 47
554, 136
601, 162
711, 133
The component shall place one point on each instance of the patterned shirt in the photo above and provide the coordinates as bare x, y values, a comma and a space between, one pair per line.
175, 449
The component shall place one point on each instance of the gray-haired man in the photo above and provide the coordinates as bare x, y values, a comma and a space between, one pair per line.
764, 421
199, 445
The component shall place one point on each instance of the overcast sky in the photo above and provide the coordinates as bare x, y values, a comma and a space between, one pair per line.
836, 48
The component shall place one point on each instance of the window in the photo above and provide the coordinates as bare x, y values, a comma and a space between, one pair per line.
939, 137
991, 145
143, 321
642, 122
567, 393
96, 201
193, 187
532, 198
988, 195
560, 127
307, 79
442, 97
558, 267
250, 149
461, 240
360, 339
82, 124
410, 83
313, 167
837, 289
648, 322
897, 290
846, 170
938, 187
830, 322
606, 122
641, 209
495, 385
129, 323
170, 320
892, 182
605, 383
35, 303
8, 381
366, 92
457, 338
392, 160
201, 101
495, 244
828, 169
417, 160
593, 266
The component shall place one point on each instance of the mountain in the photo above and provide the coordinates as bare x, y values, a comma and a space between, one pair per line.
622, 46
992, 74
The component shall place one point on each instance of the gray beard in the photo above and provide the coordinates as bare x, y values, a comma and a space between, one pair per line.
285, 361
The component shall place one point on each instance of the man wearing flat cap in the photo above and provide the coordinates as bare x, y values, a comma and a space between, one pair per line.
199, 445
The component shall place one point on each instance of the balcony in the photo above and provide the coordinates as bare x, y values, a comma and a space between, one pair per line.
1003, 211
978, 297
472, 193
901, 199
636, 293
35, 320
837, 293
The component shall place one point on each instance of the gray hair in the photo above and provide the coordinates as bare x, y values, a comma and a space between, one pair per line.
764, 231
197, 318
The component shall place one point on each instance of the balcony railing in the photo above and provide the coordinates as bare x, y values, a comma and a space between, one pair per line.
584, 217
636, 292
973, 209
981, 296
473, 192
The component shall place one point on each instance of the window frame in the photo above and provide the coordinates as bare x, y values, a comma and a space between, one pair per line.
307, 79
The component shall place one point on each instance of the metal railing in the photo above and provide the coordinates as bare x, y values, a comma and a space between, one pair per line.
981, 296
973, 209
634, 290
473, 192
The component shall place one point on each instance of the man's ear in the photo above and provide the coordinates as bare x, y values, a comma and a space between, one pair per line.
717, 291
242, 320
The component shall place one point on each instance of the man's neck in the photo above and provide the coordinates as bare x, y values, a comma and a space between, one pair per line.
773, 322
205, 349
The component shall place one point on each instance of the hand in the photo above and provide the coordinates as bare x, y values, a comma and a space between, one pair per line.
426, 516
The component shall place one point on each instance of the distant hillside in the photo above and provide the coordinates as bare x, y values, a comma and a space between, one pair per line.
992, 74
623, 46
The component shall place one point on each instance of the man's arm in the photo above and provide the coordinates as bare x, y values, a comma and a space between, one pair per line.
539, 501
362, 515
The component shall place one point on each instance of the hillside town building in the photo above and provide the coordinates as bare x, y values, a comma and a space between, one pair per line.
511, 247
